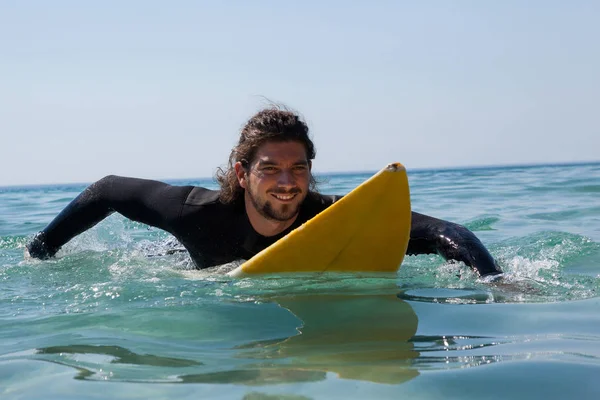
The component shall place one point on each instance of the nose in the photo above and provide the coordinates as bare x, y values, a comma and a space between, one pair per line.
286, 179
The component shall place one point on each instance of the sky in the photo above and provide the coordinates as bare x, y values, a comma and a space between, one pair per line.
160, 90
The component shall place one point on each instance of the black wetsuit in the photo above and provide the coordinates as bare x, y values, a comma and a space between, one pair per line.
215, 233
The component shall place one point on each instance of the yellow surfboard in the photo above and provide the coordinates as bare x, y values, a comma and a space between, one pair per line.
365, 231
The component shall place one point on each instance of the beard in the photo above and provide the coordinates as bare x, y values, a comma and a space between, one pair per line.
265, 207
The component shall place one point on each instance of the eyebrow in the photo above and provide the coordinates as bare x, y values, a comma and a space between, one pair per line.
269, 163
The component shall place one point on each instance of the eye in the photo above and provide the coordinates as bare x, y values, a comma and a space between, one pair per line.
300, 168
269, 170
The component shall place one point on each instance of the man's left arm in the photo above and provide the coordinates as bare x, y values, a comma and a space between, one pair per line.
430, 235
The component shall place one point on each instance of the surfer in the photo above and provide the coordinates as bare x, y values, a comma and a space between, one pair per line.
266, 191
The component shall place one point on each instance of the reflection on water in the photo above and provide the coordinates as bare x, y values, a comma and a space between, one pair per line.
120, 355
256, 375
356, 337
454, 350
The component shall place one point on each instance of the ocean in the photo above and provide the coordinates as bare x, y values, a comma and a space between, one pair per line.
113, 317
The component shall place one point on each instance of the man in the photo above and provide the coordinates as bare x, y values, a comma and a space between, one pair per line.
267, 191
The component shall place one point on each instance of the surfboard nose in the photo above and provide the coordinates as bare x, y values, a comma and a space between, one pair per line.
394, 167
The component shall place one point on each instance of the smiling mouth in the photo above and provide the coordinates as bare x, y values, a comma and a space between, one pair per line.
284, 197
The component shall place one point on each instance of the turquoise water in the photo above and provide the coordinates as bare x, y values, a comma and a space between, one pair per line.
113, 318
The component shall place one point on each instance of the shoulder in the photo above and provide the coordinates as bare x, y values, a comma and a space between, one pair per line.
199, 196
200, 203
203, 212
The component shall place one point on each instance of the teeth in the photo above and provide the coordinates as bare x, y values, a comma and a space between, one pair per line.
283, 197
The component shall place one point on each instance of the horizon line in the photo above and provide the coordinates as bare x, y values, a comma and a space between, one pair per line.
334, 173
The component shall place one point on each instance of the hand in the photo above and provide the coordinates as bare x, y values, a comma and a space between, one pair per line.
37, 248
455, 242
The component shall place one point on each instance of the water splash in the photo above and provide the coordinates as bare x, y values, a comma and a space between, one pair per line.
546, 266
537, 268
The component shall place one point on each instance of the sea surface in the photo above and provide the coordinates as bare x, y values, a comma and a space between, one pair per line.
113, 317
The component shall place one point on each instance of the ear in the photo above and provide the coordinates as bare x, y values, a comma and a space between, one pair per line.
240, 172
310, 165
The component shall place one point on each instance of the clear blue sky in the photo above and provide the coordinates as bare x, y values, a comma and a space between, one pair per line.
160, 89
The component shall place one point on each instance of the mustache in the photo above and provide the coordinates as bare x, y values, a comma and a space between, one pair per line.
291, 191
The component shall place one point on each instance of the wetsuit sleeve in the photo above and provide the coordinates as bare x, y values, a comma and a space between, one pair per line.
430, 235
150, 202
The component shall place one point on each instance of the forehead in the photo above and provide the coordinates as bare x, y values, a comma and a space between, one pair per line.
281, 152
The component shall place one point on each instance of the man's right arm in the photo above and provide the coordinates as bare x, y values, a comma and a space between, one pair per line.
150, 202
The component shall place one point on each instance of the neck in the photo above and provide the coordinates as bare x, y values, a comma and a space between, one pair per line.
265, 226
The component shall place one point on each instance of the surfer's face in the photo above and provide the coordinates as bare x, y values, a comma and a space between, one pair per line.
277, 180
